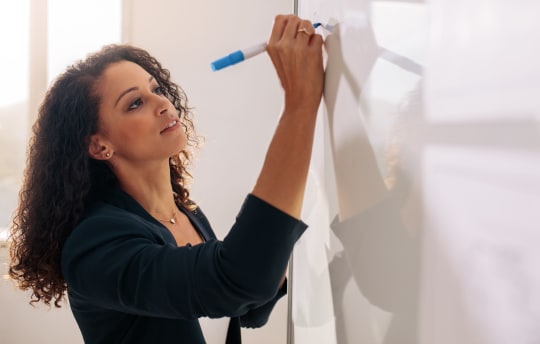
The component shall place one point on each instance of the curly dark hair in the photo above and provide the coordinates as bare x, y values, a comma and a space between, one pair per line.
61, 180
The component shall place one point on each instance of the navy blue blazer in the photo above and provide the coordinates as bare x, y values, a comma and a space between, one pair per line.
128, 281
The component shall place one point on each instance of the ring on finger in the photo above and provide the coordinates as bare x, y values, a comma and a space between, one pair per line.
304, 30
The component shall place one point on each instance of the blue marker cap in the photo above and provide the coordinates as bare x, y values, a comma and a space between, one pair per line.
228, 60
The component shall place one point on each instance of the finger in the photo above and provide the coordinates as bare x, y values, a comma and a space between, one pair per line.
278, 28
305, 30
292, 26
316, 41
280, 21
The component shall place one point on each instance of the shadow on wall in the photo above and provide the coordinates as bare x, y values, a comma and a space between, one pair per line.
375, 276
380, 260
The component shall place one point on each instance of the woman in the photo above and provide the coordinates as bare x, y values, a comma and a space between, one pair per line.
106, 216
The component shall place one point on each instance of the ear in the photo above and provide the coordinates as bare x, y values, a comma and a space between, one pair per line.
98, 148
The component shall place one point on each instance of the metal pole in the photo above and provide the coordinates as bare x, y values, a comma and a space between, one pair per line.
290, 325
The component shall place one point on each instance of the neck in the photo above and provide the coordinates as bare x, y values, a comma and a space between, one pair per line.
150, 187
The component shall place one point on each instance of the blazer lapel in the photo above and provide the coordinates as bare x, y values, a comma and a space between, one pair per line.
198, 219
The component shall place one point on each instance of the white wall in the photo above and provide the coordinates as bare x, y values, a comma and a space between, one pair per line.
236, 109
22, 324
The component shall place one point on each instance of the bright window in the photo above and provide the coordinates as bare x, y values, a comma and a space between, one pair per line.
74, 29
79, 27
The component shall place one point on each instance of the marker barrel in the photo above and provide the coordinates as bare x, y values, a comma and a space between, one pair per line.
254, 50
244, 54
229, 60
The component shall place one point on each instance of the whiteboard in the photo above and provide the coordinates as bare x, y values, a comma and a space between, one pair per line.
423, 192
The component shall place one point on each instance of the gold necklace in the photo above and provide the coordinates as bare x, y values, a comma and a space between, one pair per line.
172, 220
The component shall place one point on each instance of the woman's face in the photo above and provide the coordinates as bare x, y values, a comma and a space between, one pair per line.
137, 123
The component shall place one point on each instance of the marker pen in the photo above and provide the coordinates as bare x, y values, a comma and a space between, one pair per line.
238, 56
244, 54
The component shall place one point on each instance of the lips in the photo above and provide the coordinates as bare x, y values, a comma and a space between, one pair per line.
170, 125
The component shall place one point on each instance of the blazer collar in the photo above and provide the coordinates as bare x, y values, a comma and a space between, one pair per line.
123, 200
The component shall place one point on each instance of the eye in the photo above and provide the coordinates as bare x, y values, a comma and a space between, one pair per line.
158, 90
135, 104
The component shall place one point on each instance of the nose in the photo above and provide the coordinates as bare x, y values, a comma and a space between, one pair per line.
162, 105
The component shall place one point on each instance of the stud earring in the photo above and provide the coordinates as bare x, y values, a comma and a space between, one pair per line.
108, 155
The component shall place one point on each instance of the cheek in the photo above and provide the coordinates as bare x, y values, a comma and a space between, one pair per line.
134, 134
183, 138
119, 128
136, 126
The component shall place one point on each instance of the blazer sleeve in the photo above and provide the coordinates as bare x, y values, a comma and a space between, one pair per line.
115, 262
258, 316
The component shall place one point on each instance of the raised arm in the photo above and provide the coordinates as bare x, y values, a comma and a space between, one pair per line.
297, 58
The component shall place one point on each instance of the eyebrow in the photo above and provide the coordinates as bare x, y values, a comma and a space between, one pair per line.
131, 89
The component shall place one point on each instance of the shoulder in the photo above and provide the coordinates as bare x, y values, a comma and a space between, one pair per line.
104, 216
106, 223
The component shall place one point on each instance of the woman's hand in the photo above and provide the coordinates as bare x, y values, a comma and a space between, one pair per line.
296, 52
